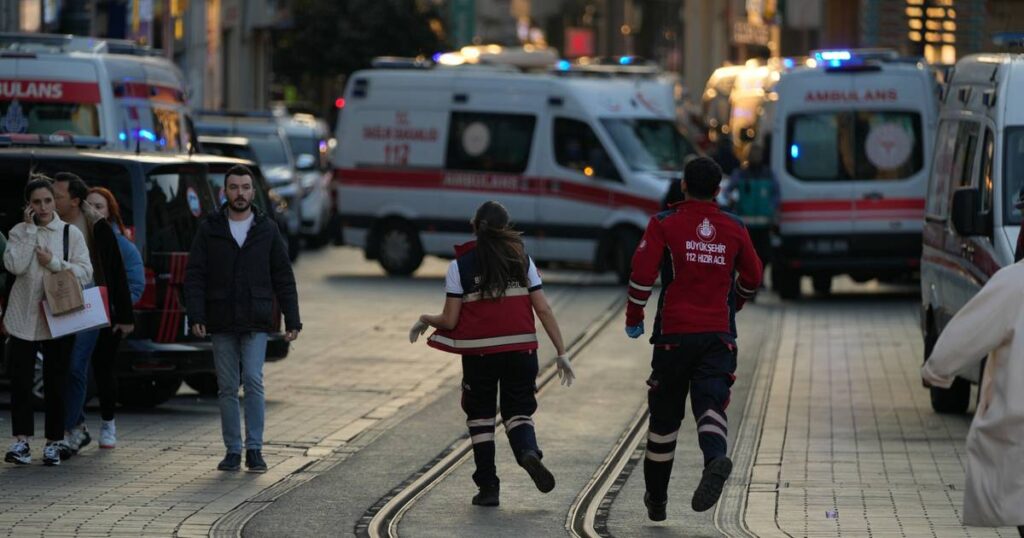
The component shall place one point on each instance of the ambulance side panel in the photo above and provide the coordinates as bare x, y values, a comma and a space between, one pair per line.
65, 80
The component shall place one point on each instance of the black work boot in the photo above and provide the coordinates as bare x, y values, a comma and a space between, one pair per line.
655, 509
542, 477
711, 483
488, 496
231, 462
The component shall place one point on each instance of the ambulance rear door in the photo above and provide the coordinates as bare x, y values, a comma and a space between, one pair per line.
892, 132
50, 95
816, 211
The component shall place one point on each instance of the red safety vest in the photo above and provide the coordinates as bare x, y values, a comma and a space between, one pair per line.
487, 326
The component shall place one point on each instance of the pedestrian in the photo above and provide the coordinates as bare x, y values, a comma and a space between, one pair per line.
70, 193
42, 243
697, 249
103, 350
237, 266
493, 290
992, 324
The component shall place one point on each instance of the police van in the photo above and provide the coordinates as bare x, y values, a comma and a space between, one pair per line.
971, 222
66, 85
851, 152
581, 163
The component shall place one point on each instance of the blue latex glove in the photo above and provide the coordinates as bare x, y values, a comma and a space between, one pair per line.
635, 331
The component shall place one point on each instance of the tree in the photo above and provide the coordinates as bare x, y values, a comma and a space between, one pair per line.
329, 38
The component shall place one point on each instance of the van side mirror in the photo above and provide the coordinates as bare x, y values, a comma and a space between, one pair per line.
968, 219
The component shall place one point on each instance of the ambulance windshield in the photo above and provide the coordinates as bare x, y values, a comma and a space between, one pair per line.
649, 145
47, 118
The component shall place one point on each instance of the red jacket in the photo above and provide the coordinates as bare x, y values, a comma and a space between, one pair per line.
699, 249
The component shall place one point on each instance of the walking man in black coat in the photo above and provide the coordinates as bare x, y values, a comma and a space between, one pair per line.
237, 266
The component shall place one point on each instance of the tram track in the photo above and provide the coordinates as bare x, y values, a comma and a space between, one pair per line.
384, 517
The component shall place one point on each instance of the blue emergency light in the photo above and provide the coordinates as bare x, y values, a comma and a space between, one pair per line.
564, 65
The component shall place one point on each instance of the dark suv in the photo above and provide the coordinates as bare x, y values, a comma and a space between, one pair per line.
162, 199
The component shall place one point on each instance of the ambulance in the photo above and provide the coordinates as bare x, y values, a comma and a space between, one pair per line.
66, 85
581, 163
972, 219
851, 151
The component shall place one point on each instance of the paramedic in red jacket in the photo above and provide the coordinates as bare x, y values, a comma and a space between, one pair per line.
493, 291
698, 251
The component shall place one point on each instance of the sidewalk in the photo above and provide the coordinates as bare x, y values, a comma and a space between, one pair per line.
849, 444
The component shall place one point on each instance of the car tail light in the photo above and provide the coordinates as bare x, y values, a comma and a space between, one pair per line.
148, 299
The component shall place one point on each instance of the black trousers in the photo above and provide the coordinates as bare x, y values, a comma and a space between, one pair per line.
56, 361
703, 367
512, 377
104, 362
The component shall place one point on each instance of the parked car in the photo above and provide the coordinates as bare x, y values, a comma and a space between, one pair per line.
271, 151
308, 138
971, 222
162, 198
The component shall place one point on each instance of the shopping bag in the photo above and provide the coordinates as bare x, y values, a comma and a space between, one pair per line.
62, 289
94, 314
63, 292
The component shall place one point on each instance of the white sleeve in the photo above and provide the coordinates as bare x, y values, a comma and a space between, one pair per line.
453, 280
533, 277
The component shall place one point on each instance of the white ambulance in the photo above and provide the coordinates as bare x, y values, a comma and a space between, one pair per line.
581, 163
76, 86
851, 150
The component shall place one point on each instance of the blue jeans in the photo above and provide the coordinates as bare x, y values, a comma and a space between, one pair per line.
233, 352
78, 378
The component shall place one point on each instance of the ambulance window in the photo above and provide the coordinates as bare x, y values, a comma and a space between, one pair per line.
49, 118
942, 171
986, 181
964, 160
1013, 173
490, 142
860, 145
578, 148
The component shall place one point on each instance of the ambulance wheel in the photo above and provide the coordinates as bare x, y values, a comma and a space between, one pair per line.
624, 246
398, 248
786, 283
822, 284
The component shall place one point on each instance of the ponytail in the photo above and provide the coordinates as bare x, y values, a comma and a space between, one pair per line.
501, 255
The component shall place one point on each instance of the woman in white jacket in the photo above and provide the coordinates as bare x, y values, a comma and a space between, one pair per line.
992, 323
36, 247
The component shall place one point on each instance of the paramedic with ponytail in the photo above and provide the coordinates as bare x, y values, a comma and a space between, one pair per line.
493, 291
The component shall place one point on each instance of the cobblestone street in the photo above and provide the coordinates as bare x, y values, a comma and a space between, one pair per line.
838, 435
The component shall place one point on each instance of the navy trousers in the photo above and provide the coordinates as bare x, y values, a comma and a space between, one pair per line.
512, 377
703, 367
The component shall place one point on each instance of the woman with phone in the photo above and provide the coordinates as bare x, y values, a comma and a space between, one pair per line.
36, 247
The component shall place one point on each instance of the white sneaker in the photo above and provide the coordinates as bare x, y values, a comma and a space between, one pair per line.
51, 454
19, 453
108, 434
78, 438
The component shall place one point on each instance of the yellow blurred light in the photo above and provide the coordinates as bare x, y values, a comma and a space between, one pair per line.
811, 62
914, 36
932, 37
451, 58
915, 24
588, 171
179, 29
914, 12
936, 12
470, 53
948, 54
949, 26
933, 25
951, 13
948, 38
915, 2
494, 49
